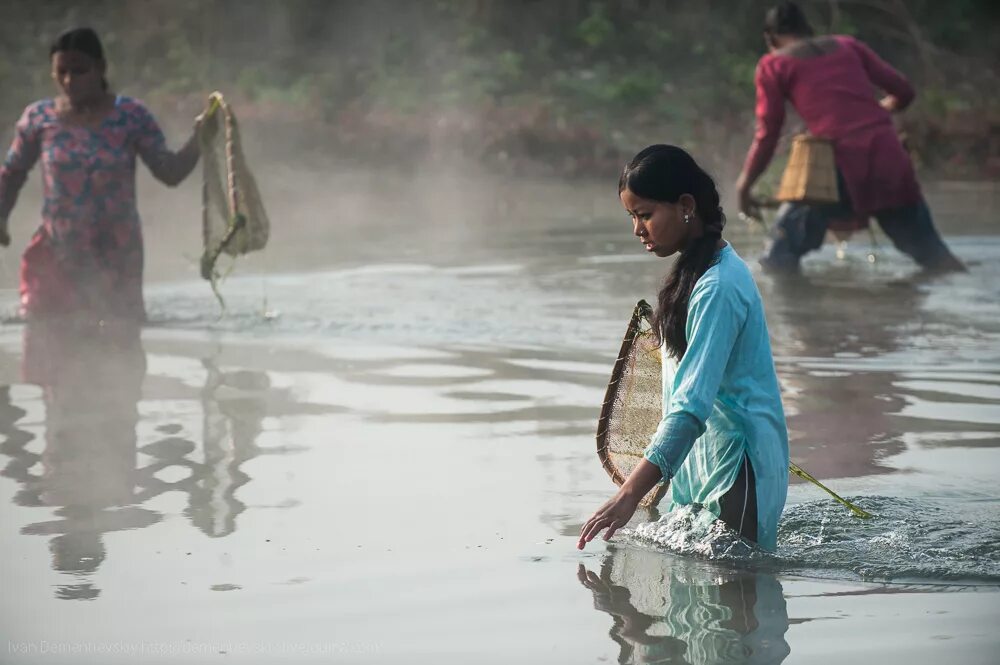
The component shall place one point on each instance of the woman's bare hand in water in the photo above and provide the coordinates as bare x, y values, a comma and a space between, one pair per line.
616, 513
611, 516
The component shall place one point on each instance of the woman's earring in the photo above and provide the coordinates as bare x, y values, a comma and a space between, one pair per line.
687, 218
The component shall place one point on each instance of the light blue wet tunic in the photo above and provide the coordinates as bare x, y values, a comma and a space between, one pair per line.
722, 401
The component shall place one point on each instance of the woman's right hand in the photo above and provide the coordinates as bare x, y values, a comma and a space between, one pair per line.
616, 513
203, 124
611, 516
748, 205
890, 103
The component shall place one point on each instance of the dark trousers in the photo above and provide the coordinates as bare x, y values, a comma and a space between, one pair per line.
738, 506
800, 229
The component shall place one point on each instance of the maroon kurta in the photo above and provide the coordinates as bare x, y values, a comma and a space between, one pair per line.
834, 94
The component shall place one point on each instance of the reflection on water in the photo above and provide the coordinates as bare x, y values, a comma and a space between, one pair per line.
91, 383
229, 434
667, 609
860, 360
89, 470
840, 422
509, 391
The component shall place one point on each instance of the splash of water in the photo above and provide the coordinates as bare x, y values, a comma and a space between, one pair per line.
918, 539
693, 530
910, 540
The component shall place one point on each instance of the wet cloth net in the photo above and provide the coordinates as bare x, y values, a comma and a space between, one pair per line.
234, 221
633, 403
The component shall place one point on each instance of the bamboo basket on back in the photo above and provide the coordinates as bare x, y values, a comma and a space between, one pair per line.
811, 174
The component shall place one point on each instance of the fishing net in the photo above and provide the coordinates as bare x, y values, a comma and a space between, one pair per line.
234, 221
633, 403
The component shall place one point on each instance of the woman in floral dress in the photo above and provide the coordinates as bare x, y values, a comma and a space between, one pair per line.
86, 258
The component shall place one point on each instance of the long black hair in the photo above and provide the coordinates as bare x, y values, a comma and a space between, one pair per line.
787, 18
83, 40
664, 173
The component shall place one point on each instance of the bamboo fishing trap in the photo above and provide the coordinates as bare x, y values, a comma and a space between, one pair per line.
633, 408
811, 173
234, 221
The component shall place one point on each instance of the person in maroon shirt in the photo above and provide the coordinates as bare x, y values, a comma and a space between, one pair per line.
831, 83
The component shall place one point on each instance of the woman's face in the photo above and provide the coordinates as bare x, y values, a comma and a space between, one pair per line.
79, 76
659, 225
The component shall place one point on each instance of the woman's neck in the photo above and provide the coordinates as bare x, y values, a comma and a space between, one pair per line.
719, 243
97, 103
783, 43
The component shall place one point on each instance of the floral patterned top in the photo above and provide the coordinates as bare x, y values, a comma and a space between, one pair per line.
87, 254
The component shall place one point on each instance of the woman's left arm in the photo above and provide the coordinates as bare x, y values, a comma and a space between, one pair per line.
900, 91
170, 168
